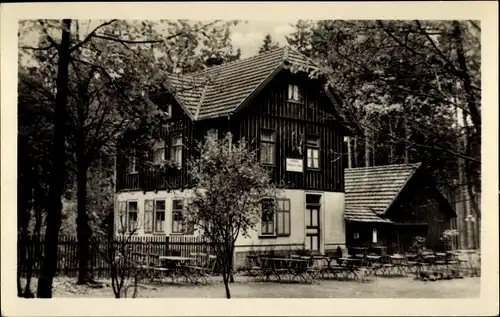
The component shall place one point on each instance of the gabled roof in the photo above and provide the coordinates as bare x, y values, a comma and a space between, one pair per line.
221, 90
376, 188
362, 214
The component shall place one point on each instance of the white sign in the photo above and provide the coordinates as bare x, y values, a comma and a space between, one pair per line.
294, 165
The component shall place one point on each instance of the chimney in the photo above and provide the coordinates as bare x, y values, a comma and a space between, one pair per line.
213, 61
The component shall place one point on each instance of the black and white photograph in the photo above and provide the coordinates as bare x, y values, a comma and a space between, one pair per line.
236, 158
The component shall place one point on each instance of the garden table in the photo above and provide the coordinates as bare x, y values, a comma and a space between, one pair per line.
397, 261
373, 263
282, 266
350, 265
179, 264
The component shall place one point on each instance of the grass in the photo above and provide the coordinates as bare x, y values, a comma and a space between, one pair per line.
383, 287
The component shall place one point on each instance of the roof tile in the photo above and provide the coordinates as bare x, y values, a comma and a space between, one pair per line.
374, 188
228, 85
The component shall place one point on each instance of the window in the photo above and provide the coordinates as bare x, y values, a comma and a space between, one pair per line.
132, 216
176, 149
159, 216
374, 236
148, 216
122, 215
313, 152
267, 222
159, 152
169, 110
283, 217
294, 93
267, 147
132, 162
178, 225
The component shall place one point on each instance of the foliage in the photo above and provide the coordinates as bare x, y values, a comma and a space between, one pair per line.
268, 44
418, 245
225, 203
112, 66
447, 238
405, 83
303, 252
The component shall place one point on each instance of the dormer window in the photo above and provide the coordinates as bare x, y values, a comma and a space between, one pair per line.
294, 93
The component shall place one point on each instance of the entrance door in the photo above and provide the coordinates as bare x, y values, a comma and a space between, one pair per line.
313, 222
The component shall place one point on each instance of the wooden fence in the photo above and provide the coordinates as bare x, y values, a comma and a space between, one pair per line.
99, 264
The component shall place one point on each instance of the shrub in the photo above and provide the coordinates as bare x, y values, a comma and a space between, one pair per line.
447, 238
418, 245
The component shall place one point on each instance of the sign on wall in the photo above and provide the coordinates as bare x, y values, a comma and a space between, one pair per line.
294, 165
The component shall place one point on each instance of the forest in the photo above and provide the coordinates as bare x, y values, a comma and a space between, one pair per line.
414, 88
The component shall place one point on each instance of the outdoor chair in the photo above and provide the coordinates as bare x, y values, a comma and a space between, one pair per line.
411, 262
387, 266
440, 263
315, 267
212, 263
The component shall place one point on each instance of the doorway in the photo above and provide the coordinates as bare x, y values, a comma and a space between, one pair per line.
313, 223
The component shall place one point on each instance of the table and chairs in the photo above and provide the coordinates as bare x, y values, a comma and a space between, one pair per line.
196, 268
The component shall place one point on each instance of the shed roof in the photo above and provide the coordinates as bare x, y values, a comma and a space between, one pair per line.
362, 214
220, 90
375, 188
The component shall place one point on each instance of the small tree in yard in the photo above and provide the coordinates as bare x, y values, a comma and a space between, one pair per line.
125, 274
226, 200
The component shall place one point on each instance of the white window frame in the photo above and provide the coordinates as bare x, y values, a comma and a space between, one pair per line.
313, 152
294, 93
266, 233
283, 206
174, 147
182, 229
149, 209
159, 151
155, 217
264, 144
136, 212
374, 236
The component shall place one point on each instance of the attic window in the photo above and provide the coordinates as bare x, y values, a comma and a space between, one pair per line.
168, 110
294, 93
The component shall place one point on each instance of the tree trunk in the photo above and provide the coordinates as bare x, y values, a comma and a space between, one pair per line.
355, 150
367, 143
231, 265
24, 204
464, 75
373, 146
349, 153
83, 228
226, 285
391, 144
58, 170
407, 137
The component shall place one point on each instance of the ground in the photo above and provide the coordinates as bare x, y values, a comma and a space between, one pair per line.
383, 287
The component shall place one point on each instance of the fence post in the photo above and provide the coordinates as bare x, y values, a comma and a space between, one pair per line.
167, 239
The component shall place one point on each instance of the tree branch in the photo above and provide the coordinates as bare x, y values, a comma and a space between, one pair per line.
123, 41
91, 34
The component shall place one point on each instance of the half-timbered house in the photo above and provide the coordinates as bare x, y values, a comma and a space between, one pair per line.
296, 122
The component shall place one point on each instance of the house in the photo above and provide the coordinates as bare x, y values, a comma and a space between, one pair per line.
390, 205
298, 125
